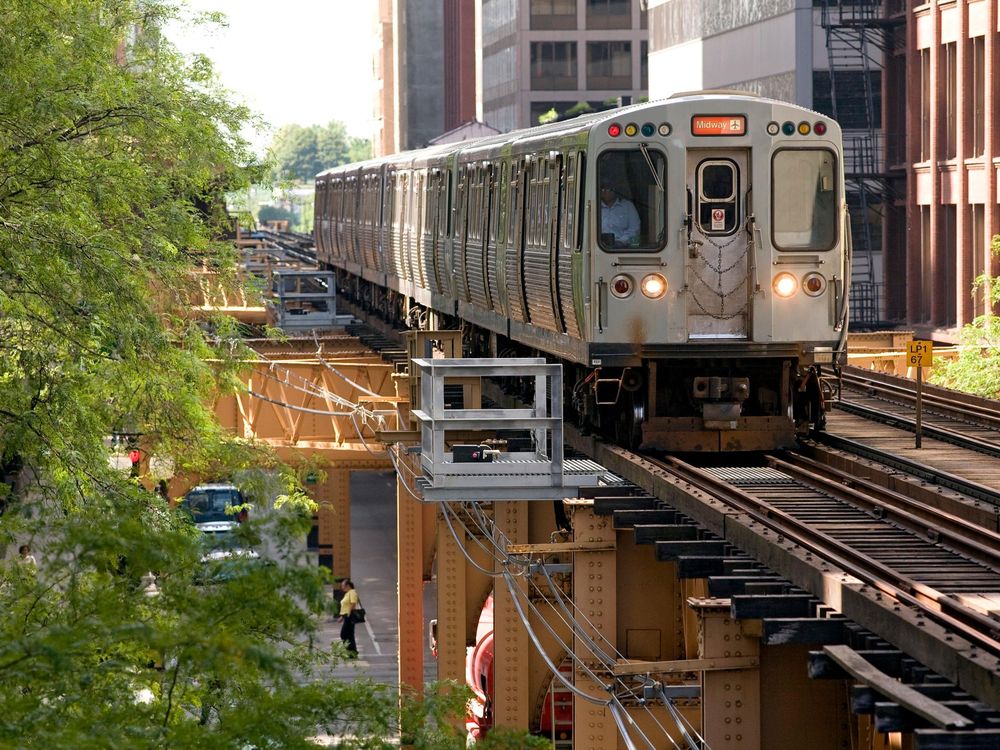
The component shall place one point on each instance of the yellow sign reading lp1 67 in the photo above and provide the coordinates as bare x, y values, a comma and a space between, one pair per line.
920, 354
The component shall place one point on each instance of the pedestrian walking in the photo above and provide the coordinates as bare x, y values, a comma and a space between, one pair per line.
24, 552
348, 603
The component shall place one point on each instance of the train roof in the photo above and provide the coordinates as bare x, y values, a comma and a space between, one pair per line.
561, 129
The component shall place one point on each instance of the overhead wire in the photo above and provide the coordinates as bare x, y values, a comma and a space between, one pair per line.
500, 541
572, 622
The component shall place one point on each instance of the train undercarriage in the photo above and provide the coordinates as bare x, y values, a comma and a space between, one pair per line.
689, 403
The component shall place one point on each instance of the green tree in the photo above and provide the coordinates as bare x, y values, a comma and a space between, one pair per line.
113, 162
301, 152
977, 368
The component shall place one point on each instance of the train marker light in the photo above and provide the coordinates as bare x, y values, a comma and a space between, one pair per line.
653, 285
631, 129
622, 285
788, 128
648, 129
819, 128
804, 128
614, 130
664, 129
773, 128
784, 285
813, 284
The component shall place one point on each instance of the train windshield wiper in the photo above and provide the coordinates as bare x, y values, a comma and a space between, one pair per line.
649, 163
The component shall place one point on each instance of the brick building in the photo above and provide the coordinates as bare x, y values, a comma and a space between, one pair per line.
952, 67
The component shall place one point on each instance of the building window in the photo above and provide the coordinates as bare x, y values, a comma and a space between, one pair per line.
951, 101
978, 96
926, 266
980, 257
609, 14
553, 65
609, 65
644, 65
948, 263
553, 14
925, 104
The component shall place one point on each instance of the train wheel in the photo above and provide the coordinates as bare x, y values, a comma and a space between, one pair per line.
630, 413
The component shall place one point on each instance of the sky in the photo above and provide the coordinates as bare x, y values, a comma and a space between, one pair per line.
294, 61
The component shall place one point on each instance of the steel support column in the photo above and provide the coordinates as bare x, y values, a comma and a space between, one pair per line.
510, 666
409, 575
452, 604
730, 698
595, 592
334, 520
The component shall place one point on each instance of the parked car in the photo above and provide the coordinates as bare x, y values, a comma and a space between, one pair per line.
215, 508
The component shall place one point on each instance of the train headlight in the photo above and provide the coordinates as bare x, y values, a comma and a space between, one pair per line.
784, 285
653, 285
813, 284
631, 129
622, 286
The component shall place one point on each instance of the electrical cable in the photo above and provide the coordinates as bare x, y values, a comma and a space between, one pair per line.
339, 374
679, 719
616, 715
608, 662
541, 651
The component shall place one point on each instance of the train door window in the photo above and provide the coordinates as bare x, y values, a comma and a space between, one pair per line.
632, 199
568, 190
502, 212
804, 199
718, 202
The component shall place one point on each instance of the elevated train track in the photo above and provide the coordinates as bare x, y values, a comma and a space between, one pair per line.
894, 558
961, 419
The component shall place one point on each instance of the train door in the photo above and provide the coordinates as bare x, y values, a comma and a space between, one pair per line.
434, 197
515, 243
718, 259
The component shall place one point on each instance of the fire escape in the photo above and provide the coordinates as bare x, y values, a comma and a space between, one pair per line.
859, 37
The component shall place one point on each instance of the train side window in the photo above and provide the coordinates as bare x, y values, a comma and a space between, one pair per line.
804, 199
631, 200
718, 191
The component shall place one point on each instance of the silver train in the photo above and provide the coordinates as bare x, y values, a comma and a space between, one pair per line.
687, 259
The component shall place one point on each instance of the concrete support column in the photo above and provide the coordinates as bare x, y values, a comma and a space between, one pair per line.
451, 604
410, 603
511, 642
730, 698
595, 593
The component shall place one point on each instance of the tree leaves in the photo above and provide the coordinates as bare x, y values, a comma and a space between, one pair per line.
302, 152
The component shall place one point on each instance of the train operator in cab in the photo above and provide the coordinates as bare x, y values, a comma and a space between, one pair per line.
619, 219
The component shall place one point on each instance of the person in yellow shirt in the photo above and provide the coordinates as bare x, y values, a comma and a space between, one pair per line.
348, 602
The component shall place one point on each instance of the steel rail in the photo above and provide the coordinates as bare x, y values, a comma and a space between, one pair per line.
913, 468
977, 410
938, 433
972, 539
965, 621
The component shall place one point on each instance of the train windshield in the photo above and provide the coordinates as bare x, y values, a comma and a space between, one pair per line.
804, 199
632, 200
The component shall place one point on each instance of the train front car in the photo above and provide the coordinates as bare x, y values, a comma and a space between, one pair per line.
718, 246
